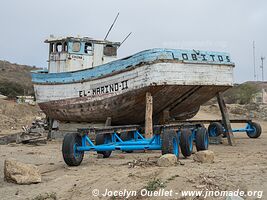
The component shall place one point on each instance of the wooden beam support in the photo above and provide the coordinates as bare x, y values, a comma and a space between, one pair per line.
148, 116
50, 128
108, 122
225, 119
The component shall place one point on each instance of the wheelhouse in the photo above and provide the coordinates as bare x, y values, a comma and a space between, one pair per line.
74, 53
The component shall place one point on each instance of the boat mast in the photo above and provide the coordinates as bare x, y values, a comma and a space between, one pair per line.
111, 26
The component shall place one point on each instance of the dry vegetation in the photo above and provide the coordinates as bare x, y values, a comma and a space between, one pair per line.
15, 79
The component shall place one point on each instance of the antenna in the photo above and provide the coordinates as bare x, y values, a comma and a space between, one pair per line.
111, 26
254, 61
125, 38
262, 58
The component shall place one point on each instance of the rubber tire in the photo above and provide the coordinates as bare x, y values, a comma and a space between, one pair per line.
185, 142
201, 137
167, 142
218, 127
258, 130
127, 136
69, 156
101, 139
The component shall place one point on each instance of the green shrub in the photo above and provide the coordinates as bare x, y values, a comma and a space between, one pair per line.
13, 89
241, 94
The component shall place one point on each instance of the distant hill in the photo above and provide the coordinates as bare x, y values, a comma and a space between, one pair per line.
15, 79
243, 93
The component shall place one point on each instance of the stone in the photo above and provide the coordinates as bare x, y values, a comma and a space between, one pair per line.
206, 156
167, 160
21, 173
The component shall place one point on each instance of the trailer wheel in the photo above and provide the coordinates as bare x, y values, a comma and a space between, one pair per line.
202, 139
125, 136
103, 139
256, 130
170, 142
71, 156
186, 142
215, 129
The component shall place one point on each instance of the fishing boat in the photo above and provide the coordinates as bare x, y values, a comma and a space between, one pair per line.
85, 82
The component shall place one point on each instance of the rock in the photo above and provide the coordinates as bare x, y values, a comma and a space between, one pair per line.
21, 173
167, 160
206, 156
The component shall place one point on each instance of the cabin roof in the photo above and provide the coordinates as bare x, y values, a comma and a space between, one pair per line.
80, 39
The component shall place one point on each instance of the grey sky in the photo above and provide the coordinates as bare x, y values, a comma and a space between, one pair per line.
217, 25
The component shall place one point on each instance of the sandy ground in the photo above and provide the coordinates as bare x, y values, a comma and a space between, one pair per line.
14, 116
243, 167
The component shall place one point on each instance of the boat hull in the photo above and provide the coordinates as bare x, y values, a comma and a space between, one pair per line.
129, 108
118, 89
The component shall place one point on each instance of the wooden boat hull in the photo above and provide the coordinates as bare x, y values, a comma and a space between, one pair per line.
177, 85
129, 108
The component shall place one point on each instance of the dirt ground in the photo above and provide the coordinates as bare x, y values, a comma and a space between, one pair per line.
14, 116
243, 166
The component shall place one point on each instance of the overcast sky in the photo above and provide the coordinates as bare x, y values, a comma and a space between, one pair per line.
217, 25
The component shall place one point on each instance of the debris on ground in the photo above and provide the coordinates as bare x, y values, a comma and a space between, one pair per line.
167, 160
21, 173
34, 133
142, 163
155, 184
206, 156
46, 196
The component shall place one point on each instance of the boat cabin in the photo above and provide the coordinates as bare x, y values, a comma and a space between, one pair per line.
75, 53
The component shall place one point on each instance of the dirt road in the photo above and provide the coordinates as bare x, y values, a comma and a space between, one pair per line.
243, 167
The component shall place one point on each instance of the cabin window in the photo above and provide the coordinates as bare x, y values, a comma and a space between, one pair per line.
88, 48
110, 50
58, 47
51, 47
65, 47
76, 46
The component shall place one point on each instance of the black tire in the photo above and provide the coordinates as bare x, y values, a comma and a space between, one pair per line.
186, 142
215, 129
102, 139
202, 139
170, 142
257, 130
70, 156
125, 136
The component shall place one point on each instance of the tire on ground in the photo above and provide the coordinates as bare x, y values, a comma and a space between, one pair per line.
202, 139
103, 139
215, 129
170, 142
125, 136
257, 130
70, 156
186, 142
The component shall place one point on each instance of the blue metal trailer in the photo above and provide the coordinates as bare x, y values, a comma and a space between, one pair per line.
171, 138
167, 138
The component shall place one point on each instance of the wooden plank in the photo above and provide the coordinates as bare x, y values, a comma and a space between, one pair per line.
50, 126
225, 119
148, 116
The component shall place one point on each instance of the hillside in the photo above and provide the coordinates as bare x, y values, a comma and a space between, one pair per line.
15, 79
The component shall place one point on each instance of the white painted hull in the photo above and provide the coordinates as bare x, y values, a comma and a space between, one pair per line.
121, 95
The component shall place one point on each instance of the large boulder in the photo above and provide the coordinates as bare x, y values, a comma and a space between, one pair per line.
206, 156
21, 173
167, 160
